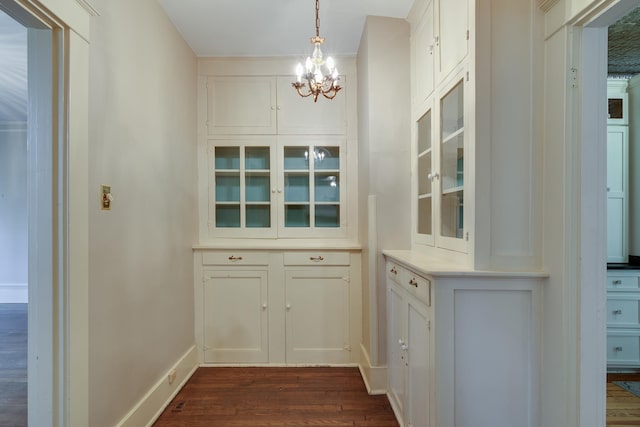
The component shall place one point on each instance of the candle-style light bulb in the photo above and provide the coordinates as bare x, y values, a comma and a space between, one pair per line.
299, 71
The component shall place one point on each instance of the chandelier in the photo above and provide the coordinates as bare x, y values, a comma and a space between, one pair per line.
316, 81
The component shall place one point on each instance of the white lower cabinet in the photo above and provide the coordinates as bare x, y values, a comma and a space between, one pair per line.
462, 345
235, 317
276, 307
317, 315
408, 346
623, 319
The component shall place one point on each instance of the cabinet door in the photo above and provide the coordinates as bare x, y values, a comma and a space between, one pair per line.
396, 347
302, 116
423, 40
317, 315
425, 177
242, 187
312, 188
617, 191
453, 25
235, 317
241, 105
418, 354
451, 153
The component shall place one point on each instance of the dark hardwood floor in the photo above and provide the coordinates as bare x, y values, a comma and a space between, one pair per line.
260, 397
13, 365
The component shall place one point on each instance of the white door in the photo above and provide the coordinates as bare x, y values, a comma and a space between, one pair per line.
395, 345
418, 335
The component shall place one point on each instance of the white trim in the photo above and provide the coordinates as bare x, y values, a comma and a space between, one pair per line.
14, 293
155, 401
374, 377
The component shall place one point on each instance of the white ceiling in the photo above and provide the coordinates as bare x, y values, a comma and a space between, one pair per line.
275, 27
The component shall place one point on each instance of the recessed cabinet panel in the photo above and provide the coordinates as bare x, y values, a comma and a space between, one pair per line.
228, 111
235, 317
317, 315
453, 38
418, 354
423, 42
302, 116
617, 193
425, 176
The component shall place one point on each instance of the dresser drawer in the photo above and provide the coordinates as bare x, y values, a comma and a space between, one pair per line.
235, 258
316, 258
418, 286
622, 282
623, 349
623, 311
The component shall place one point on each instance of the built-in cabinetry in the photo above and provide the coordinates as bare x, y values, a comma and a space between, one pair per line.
617, 172
277, 267
277, 307
463, 345
623, 319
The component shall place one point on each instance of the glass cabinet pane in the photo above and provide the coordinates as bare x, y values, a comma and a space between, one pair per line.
227, 187
227, 158
296, 216
425, 183
257, 187
327, 187
326, 158
452, 164
296, 158
228, 216
257, 158
327, 216
258, 216
296, 187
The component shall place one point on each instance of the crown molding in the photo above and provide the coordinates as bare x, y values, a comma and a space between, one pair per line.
546, 5
87, 6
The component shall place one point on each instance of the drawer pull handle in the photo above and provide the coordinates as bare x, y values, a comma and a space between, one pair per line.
316, 258
617, 311
413, 283
617, 282
393, 270
617, 348
235, 258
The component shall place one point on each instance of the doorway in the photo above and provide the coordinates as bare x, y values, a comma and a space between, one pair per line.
27, 211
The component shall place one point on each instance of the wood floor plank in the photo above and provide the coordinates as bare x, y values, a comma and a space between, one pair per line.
263, 397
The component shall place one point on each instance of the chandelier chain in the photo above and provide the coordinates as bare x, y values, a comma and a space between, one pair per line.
317, 18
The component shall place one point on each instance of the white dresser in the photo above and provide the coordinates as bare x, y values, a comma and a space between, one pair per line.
623, 319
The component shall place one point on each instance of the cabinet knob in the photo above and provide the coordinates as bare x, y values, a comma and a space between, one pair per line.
393, 270
617, 282
264, 306
433, 176
413, 282
617, 348
617, 311
288, 306
403, 345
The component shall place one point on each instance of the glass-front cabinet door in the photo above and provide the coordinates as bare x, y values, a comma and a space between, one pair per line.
425, 176
311, 179
243, 188
452, 137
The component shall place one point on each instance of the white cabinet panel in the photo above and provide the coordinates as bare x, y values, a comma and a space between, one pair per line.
235, 317
228, 111
317, 315
423, 43
302, 116
396, 307
617, 193
623, 349
453, 39
623, 319
418, 353
622, 310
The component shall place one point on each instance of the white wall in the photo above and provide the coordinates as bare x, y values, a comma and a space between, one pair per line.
384, 157
13, 204
142, 142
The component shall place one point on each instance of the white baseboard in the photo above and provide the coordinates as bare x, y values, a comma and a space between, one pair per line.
375, 377
150, 407
14, 293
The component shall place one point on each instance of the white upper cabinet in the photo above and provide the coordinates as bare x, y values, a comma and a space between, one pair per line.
453, 38
256, 105
302, 116
423, 53
245, 105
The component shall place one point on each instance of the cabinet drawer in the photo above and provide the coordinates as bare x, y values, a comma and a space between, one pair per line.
418, 286
622, 311
316, 258
622, 282
235, 258
394, 272
623, 349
